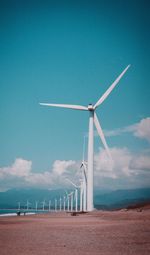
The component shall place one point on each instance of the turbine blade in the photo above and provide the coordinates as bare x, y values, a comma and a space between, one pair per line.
108, 91
72, 183
70, 106
83, 164
101, 134
83, 149
66, 192
84, 172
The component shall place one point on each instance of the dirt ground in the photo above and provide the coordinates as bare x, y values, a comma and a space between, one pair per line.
97, 233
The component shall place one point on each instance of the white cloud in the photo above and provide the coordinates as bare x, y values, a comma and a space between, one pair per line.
127, 170
141, 162
19, 168
60, 167
117, 168
56, 177
141, 130
20, 174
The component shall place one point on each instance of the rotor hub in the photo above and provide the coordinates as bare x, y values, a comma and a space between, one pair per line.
90, 107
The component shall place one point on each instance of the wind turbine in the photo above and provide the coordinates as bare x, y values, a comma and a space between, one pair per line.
19, 206
84, 188
36, 205
43, 203
84, 177
71, 200
28, 204
76, 199
55, 205
92, 120
76, 193
68, 202
60, 200
64, 200
49, 205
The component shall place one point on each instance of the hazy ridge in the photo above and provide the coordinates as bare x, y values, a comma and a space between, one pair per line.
103, 199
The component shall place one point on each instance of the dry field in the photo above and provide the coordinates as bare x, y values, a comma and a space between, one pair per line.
97, 233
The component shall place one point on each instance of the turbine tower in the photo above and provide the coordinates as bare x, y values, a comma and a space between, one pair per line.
92, 120
19, 206
43, 203
36, 205
55, 205
49, 205
68, 201
64, 200
76, 194
84, 178
71, 200
60, 200
27, 205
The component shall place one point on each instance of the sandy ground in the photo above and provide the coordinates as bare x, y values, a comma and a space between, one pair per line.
98, 233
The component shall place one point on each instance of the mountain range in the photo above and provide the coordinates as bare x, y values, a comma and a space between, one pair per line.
103, 199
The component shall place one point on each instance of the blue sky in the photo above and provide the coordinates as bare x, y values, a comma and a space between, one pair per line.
71, 52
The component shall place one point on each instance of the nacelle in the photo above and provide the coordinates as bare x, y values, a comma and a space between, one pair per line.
90, 107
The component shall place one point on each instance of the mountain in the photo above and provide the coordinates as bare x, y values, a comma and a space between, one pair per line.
10, 198
103, 199
121, 198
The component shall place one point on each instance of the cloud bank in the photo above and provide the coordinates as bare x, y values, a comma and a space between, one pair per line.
140, 130
127, 170
20, 174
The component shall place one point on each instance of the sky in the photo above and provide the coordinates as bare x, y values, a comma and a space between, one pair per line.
71, 52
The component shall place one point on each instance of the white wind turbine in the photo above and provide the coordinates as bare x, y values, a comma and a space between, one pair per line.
81, 195
71, 195
28, 204
43, 203
84, 178
49, 205
76, 199
55, 205
60, 200
36, 205
84, 188
64, 200
68, 201
76, 194
19, 206
92, 120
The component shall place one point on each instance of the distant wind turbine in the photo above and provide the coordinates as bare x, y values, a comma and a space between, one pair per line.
36, 205
19, 206
43, 203
49, 205
84, 177
64, 200
68, 201
28, 204
71, 200
76, 193
92, 120
60, 200
55, 205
